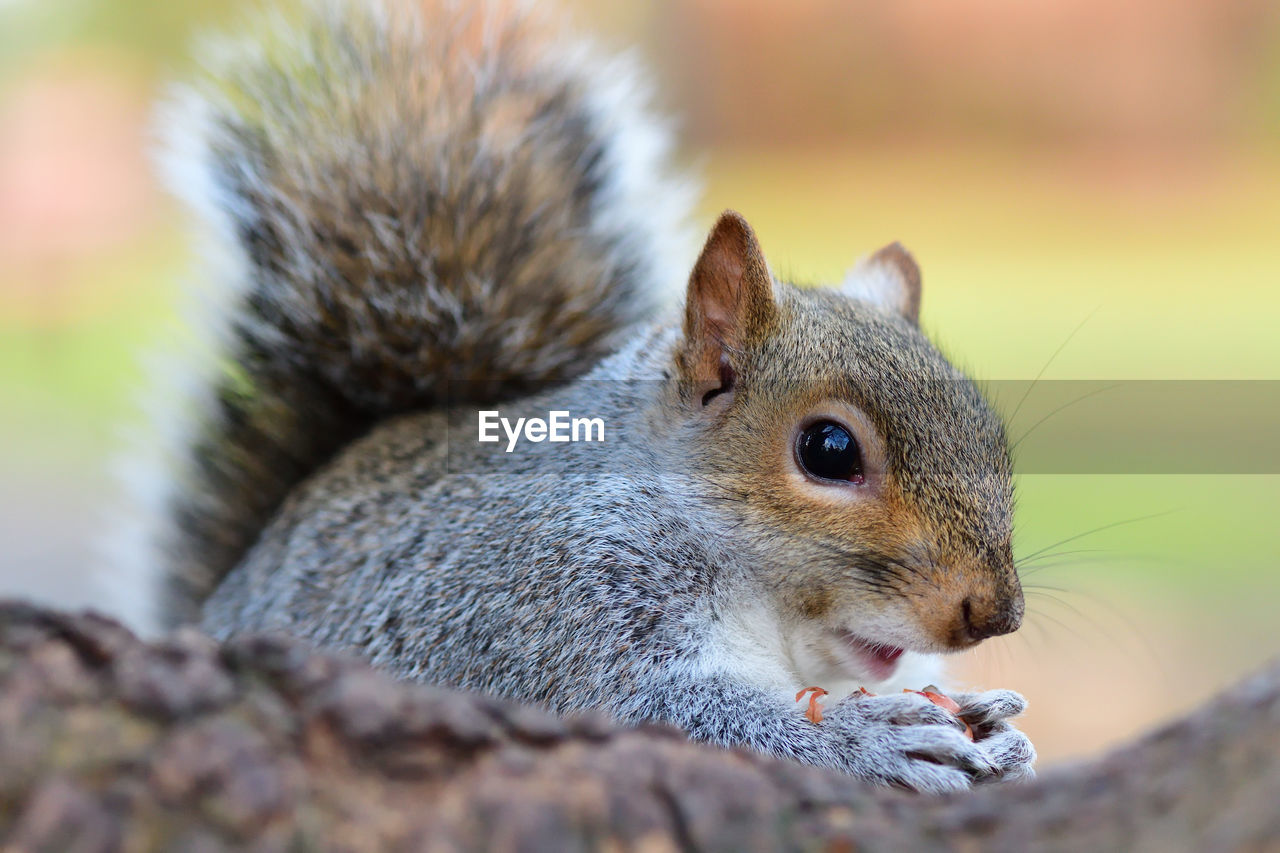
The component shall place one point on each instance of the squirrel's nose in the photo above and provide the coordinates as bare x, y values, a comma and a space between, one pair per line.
987, 617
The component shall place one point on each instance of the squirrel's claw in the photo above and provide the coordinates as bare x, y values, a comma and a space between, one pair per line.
814, 711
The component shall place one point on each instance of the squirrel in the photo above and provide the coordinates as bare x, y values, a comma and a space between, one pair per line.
420, 215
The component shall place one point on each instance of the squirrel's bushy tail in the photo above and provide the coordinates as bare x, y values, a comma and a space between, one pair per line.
406, 198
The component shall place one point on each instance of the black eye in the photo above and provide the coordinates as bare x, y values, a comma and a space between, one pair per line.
828, 451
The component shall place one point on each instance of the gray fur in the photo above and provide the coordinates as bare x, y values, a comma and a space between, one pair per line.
399, 206
669, 573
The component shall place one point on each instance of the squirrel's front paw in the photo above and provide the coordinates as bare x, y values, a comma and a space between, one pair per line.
906, 741
988, 714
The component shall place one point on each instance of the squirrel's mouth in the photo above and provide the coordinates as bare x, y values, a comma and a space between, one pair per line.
874, 659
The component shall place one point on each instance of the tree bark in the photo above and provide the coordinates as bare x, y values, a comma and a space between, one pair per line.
109, 743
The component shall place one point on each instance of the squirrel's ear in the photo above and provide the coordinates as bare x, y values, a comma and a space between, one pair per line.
729, 303
889, 278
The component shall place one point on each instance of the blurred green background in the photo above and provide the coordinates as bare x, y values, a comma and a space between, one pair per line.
1078, 174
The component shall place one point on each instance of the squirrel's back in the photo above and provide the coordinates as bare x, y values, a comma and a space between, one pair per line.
407, 201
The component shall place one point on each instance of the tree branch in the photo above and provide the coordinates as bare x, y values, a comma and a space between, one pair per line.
110, 743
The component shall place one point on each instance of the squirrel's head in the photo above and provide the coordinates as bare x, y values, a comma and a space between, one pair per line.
867, 480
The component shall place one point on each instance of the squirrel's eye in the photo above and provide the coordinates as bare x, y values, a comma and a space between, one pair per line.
829, 451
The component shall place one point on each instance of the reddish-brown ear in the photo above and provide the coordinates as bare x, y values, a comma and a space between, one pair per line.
889, 278
729, 303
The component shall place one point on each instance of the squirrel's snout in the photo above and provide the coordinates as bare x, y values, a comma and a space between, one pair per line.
990, 617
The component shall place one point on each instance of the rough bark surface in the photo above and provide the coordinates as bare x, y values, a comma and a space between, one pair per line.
109, 743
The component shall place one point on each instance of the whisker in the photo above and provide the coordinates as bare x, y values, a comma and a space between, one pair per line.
1122, 618
1100, 529
1045, 594
1040, 614
1056, 353
1063, 554
1067, 405
1064, 563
